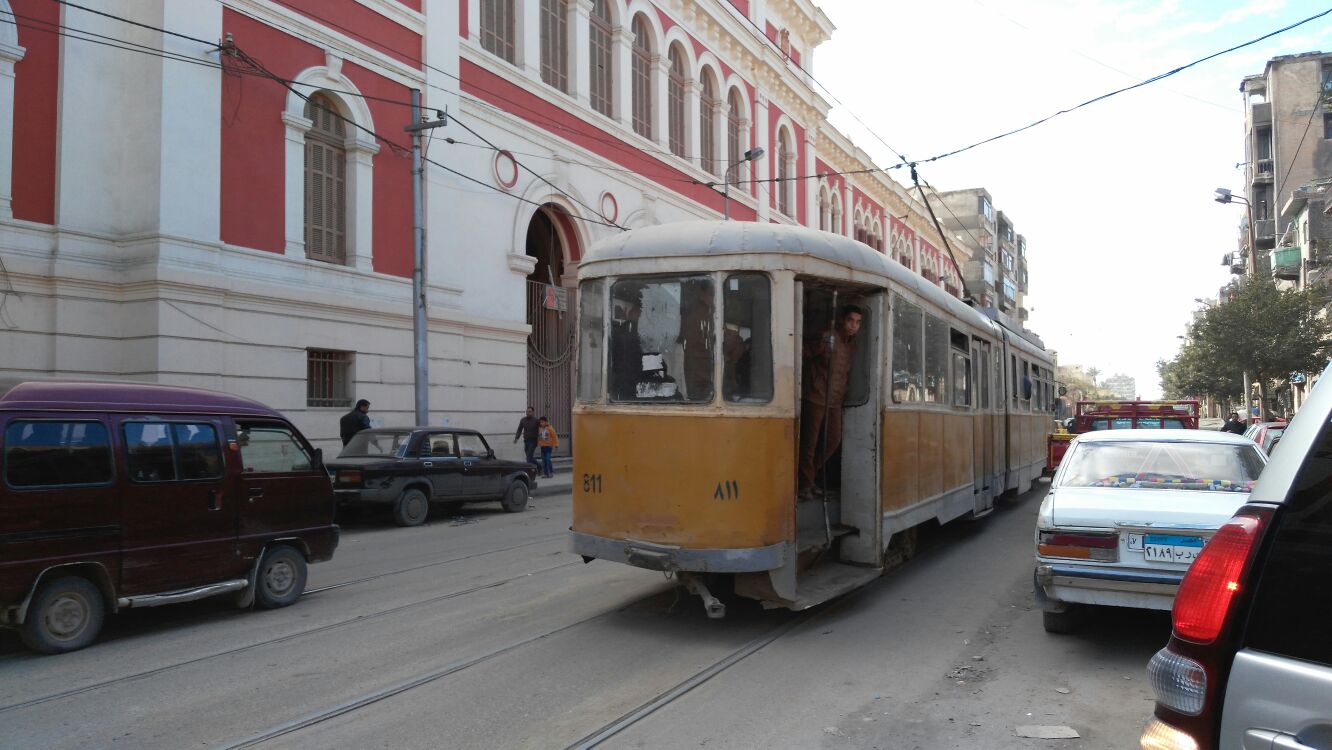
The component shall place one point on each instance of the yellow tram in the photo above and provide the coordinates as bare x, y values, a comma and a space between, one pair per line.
694, 342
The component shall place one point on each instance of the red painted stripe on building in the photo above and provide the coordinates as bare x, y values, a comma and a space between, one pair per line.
36, 91
524, 105
359, 22
253, 201
462, 18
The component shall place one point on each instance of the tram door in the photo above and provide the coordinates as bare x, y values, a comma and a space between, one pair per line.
979, 428
842, 506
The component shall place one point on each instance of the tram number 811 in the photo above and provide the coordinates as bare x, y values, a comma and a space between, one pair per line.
592, 484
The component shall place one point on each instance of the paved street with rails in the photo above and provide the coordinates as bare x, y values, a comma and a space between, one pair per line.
483, 631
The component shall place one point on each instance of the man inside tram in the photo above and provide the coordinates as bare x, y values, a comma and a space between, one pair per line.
626, 351
826, 375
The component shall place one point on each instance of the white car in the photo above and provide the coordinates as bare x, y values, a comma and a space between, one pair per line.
1129, 510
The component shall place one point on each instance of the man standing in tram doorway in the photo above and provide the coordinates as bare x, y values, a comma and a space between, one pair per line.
827, 371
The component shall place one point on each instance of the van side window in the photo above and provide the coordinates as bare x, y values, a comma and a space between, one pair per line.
271, 448
51, 454
170, 451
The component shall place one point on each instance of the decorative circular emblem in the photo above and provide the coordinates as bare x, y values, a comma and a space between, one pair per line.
610, 208
506, 169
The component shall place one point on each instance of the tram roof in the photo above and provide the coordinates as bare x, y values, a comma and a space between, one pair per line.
710, 238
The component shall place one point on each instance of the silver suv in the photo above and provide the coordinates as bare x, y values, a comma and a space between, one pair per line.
1249, 662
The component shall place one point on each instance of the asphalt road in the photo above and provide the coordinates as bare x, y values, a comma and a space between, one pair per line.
484, 632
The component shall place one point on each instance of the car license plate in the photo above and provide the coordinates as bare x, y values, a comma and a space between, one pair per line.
1171, 548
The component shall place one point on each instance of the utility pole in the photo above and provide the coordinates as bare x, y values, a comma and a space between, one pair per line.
420, 347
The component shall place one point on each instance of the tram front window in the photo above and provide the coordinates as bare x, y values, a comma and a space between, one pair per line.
661, 340
747, 339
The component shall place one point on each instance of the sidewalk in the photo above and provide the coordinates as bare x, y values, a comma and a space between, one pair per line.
560, 484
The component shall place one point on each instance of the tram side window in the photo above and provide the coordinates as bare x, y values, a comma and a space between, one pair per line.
961, 380
591, 338
662, 340
747, 339
936, 360
984, 381
908, 361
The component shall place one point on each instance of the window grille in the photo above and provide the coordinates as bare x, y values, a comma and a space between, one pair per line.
325, 182
327, 377
555, 43
497, 33
599, 42
707, 125
642, 81
784, 173
734, 113
675, 114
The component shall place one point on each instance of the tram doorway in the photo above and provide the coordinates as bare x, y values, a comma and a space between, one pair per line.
837, 508
552, 313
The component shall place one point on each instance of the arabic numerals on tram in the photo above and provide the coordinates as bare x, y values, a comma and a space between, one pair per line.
592, 484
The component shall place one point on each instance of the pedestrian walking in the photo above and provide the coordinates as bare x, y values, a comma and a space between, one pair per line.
549, 441
528, 427
355, 420
1233, 424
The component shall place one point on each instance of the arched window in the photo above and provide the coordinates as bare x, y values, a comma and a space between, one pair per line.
497, 28
707, 124
734, 117
675, 112
823, 208
642, 78
784, 159
555, 43
325, 182
836, 213
599, 43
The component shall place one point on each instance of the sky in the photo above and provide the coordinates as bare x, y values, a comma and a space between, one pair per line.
1115, 199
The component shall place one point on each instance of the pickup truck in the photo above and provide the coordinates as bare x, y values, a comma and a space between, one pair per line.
1091, 416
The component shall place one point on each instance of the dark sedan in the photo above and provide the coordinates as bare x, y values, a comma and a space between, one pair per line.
408, 468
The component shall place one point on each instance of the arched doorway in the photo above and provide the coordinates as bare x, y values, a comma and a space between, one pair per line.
551, 312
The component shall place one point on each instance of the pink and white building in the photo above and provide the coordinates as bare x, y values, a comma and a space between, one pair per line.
221, 195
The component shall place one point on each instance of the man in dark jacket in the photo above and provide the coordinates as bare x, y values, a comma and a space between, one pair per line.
355, 420
528, 427
827, 374
1233, 424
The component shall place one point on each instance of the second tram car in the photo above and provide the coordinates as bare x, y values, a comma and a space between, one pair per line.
694, 339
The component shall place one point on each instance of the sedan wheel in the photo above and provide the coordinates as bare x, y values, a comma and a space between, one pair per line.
411, 508
515, 500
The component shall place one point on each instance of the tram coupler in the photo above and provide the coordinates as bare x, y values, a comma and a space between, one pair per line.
711, 604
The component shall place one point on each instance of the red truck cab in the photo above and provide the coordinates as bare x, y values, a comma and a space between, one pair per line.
1091, 416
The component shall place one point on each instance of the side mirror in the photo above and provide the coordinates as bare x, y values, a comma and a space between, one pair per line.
490, 453
318, 458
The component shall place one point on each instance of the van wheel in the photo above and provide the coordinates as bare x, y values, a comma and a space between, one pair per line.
281, 578
515, 500
411, 508
1066, 621
65, 615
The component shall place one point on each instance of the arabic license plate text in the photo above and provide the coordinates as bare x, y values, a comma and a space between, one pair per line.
1170, 548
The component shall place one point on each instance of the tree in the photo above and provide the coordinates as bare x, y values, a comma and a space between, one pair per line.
1262, 330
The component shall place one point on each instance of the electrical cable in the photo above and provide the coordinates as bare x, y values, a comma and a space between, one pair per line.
1116, 92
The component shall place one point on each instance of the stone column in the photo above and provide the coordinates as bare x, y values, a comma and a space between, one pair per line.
848, 212
810, 183
9, 55
622, 48
580, 64
661, 97
360, 215
692, 113
295, 127
763, 168
527, 26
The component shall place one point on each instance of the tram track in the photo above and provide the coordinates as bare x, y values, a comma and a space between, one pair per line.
124, 679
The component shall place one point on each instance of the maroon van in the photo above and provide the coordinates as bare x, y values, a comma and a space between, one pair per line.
120, 495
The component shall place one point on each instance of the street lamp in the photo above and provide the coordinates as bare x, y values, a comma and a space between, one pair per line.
1223, 195
752, 154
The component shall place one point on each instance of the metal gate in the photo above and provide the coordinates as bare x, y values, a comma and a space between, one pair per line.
550, 356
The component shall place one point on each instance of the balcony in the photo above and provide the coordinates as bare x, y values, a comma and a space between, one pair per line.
1286, 263
1262, 173
1264, 234
1262, 113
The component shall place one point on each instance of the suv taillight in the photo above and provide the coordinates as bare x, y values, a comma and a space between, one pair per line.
1188, 675
1215, 578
